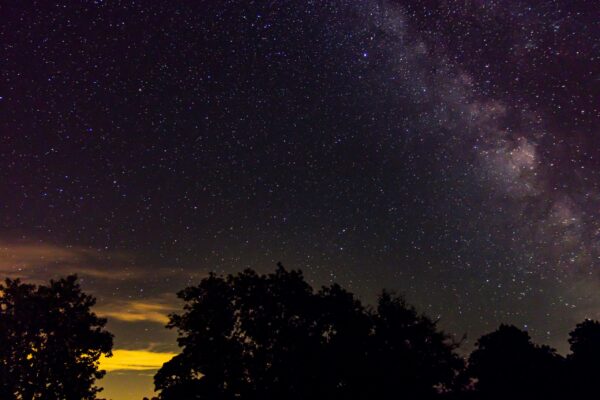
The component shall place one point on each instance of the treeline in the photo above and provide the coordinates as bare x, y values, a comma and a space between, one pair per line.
253, 336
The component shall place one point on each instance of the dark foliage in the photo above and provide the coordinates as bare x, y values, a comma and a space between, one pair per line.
584, 360
507, 365
253, 336
50, 341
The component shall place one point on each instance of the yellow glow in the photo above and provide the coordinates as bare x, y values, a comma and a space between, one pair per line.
134, 360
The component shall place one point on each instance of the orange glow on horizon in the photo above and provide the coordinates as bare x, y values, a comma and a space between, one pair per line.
134, 360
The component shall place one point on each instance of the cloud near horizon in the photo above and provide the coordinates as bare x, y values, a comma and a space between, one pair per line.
39, 261
137, 311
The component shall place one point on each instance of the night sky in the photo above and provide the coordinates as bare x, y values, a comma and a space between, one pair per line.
446, 149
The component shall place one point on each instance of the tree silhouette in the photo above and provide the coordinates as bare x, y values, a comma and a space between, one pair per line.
507, 365
252, 336
50, 341
584, 360
411, 354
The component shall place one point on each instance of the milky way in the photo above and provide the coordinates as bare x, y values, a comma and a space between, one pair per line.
448, 150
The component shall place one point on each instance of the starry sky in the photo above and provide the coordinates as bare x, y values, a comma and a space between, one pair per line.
445, 149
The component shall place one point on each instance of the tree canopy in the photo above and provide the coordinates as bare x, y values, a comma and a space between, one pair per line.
507, 365
50, 341
272, 336
251, 336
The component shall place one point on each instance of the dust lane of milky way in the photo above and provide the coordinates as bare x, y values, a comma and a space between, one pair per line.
445, 149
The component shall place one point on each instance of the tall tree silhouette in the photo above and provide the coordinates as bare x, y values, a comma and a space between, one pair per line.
507, 365
252, 336
584, 360
50, 341
411, 354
